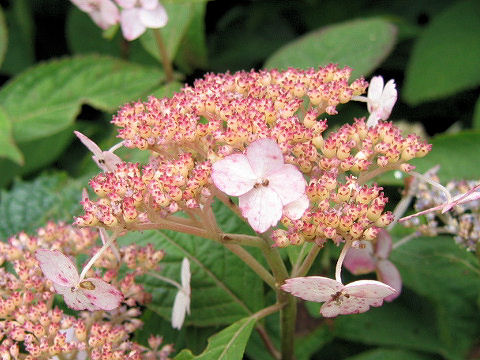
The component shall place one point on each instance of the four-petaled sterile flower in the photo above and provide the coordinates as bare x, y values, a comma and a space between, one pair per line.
266, 186
106, 160
103, 12
339, 299
369, 258
138, 15
181, 305
380, 100
90, 294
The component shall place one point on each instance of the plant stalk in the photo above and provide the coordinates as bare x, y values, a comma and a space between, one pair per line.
166, 62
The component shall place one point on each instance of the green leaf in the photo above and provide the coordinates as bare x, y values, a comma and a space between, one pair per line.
8, 149
46, 99
20, 51
455, 153
390, 354
29, 205
180, 15
446, 56
192, 52
3, 36
453, 291
360, 44
228, 344
476, 115
219, 278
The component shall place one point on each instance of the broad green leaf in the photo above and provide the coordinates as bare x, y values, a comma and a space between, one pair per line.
8, 149
167, 90
20, 50
51, 94
449, 276
446, 56
390, 354
476, 115
29, 205
3, 36
192, 52
219, 278
409, 326
37, 154
180, 15
456, 154
228, 344
360, 44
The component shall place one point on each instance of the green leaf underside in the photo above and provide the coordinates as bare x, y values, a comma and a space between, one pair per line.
228, 344
446, 56
360, 44
51, 94
8, 149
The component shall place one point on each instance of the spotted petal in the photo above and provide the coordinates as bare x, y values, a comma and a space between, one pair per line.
103, 295
57, 267
346, 305
312, 288
368, 289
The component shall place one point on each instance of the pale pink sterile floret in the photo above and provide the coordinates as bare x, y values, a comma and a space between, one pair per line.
339, 299
181, 305
103, 12
90, 294
380, 100
106, 160
369, 258
266, 186
138, 15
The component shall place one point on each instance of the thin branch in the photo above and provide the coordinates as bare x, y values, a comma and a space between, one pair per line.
307, 263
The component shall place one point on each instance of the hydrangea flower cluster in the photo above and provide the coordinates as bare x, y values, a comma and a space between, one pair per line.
134, 16
220, 119
453, 209
31, 327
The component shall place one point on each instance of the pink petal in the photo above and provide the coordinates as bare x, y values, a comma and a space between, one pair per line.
373, 120
149, 4
360, 260
107, 161
76, 299
126, 4
186, 275
85, 5
109, 12
389, 274
288, 182
262, 208
345, 306
132, 27
57, 267
155, 18
264, 156
297, 208
88, 143
383, 247
104, 297
233, 175
312, 288
368, 289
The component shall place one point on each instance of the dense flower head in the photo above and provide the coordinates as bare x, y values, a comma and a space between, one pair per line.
32, 328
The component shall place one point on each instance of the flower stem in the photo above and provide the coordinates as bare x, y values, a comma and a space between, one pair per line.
96, 257
366, 177
338, 268
167, 64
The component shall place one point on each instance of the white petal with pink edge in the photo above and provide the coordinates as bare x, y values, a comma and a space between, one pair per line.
312, 288
57, 267
288, 182
264, 156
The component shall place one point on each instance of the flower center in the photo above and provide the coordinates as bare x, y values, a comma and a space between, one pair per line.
262, 182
